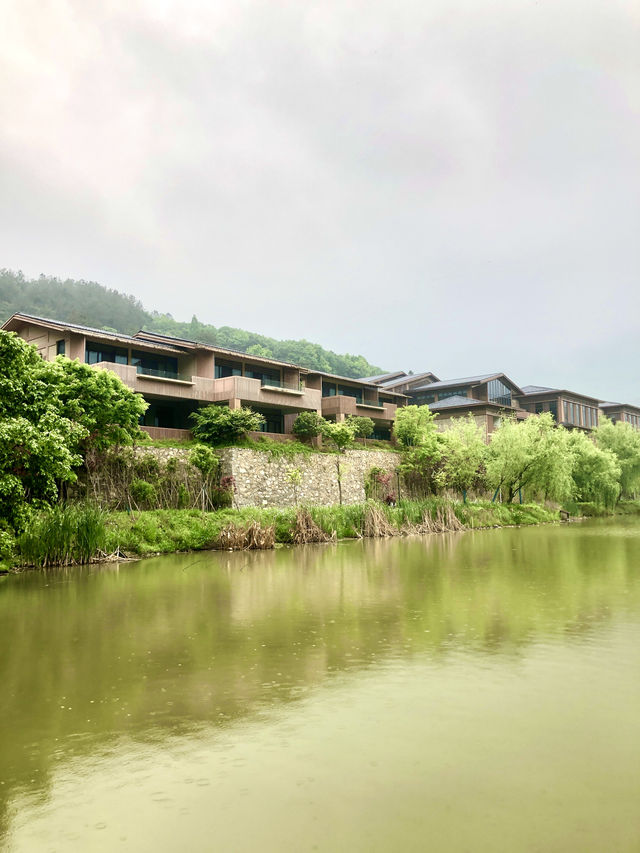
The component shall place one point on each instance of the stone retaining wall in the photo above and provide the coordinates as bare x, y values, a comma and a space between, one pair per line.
263, 480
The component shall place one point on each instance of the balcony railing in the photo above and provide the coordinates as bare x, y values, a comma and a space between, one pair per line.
288, 385
162, 374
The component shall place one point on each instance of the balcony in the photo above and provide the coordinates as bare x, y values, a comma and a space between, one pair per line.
288, 387
343, 405
150, 373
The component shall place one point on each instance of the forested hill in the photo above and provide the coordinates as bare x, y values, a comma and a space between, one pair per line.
92, 304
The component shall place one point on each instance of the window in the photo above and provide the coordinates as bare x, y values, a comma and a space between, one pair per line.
539, 408
95, 353
455, 392
227, 368
266, 376
553, 408
60, 347
150, 364
274, 420
424, 399
499, 393
329, 389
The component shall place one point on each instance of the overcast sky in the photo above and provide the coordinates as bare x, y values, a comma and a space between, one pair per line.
437, 185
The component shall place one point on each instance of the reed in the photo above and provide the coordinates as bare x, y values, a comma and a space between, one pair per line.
64, 535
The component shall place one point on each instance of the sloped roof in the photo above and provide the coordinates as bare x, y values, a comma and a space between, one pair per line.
536, 389
383, 377
466, 380
63, 325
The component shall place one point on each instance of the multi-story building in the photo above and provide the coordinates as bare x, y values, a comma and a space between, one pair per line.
176, 376
569, 409
488, 397
622, 412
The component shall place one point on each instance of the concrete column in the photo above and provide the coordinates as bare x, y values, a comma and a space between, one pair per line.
289, 420
234, 403
340, 417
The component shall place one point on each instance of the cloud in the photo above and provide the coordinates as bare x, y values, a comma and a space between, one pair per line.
446, 187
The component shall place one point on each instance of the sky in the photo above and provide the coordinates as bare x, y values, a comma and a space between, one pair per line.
441, 185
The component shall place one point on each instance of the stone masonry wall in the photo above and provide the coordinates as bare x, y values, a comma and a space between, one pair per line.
261, 480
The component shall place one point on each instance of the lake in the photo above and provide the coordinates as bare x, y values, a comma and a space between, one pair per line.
476, 691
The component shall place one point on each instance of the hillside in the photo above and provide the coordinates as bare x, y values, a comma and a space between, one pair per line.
92, 304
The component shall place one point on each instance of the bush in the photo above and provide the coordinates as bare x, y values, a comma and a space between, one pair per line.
362, 427
308, 425
143, 494
218, 424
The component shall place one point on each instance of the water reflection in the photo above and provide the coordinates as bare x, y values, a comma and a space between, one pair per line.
153, 651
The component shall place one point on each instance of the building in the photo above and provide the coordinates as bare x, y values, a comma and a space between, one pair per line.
176, 376
569, 409
622, 412
342, 397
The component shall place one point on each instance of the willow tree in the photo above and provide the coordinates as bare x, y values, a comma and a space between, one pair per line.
463, 455
624, 441
533, 454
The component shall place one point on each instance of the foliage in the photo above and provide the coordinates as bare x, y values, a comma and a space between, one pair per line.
218, 424
294, 476
34, 458
414, 426
624, 441
362, 427
204, 459
463, 455
308, 425
339, 435
91, 304
532, 454
143, 494
63, 535
596, 471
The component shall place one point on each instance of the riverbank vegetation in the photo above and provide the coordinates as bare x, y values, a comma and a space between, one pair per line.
72, 487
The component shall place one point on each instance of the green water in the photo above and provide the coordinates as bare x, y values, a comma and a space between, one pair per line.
468, 692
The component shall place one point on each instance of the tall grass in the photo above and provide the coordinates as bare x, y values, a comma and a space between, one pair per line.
63, 536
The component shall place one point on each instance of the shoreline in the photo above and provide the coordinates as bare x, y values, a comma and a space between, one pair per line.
129, 537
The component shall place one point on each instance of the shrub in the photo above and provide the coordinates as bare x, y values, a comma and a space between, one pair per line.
143, 493
308, 425
362, 427
218, 424
62, 536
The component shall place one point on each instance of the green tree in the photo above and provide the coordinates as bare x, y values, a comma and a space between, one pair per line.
463, 455
415, 426
205, 460
596, 471
362, 427
218, 424
532, 454
340, 436
624, 441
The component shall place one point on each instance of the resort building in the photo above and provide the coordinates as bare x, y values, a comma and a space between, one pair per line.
622, 412
176, 376
342, 397
571, 410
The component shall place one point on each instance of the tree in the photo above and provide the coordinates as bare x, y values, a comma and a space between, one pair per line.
51, 416
362, 427
218, 424
308, 425
624, 441
532, 454
463, 455
341, 436
415, 426
205, 460
596, 471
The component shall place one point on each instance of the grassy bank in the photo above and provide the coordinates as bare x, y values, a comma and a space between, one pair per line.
76, 534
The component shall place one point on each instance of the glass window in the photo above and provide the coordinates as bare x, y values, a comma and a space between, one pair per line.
424, 399
227, 368
347, 391
553, 408
95, 353
60, 347
151, 364
266, 375
499, 393
539, 408
329, 389
454, 392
